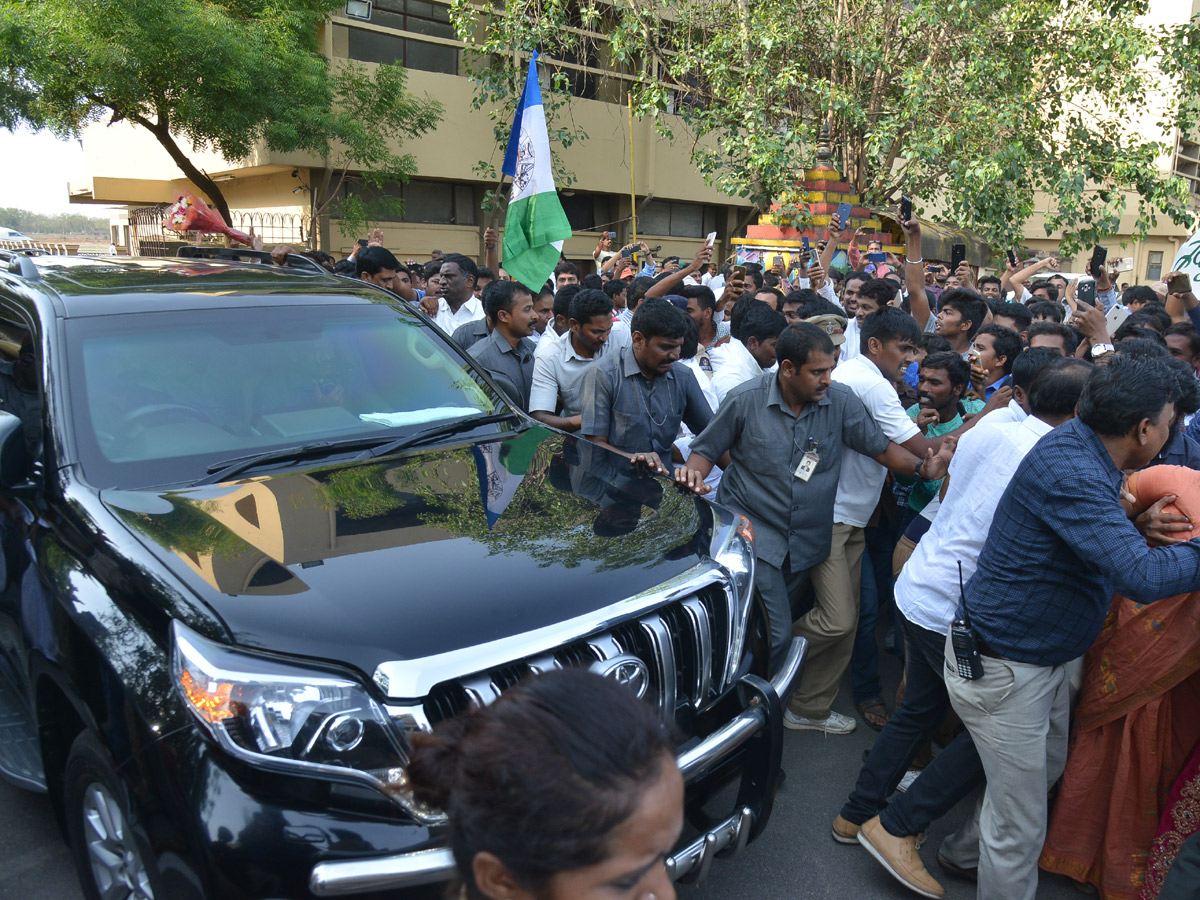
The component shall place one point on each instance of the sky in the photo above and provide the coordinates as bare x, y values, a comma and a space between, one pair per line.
45, 165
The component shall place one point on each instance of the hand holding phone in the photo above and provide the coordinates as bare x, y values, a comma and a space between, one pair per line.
1012, 259
958, 255
1178, 283
1096, 266
844, 212
905, 210
1086, 292
711, 239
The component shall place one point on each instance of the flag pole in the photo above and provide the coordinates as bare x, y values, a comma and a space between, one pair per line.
632, 189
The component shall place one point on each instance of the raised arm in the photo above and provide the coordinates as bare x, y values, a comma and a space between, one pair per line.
914, 272
664, 285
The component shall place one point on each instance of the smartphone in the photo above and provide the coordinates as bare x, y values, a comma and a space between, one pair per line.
1012, 258
958, 255
933, 270
1116, 318
905, 209
877, 257
362, 242
844, 211
627, 252
738, 273
804, 243
1180, 284
1099, 255
1086, 292
711, 239
610, 234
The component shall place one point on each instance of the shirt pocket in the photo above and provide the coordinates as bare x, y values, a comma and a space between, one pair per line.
761, 455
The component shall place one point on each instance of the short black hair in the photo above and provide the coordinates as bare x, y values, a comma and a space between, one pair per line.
465, 264
1131, 328
880, 290
932, 342
797, 341
346, 267
1139, 293
889, 324
1188, 400
484, 272
1188, 330
1051, 289
856, 276
430, 268
657, 317
1055, 391
1143, 347
1069, 338
587, 304
703, 295
499, 296
562, 299
1118, 396
614, 287
593, 282
1005, 342
637, 290
952, 363
566, 267
1154, 315
1019, 312
1047, 310
772, 290
813, 304
759, 322
970, 305
991, 279
1028, 363
373, 260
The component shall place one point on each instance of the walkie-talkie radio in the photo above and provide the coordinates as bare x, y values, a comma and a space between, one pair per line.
963, 640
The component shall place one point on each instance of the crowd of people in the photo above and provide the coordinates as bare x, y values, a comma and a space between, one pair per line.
988, 467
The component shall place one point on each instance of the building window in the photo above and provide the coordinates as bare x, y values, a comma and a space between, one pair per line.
691, 220
1154, 264
413, 16
433, 202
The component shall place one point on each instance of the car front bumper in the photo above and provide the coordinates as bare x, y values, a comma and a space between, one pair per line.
759, 724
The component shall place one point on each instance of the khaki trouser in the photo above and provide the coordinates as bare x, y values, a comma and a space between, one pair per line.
904, 549
830, 625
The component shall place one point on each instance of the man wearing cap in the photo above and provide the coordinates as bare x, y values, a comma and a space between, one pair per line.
834, 326
781, 438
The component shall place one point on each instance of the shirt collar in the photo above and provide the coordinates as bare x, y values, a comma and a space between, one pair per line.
775, 398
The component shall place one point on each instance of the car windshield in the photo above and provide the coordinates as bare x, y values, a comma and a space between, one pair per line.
158, 398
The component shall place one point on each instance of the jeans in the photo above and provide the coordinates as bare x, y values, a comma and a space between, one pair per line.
952, 775
875, 596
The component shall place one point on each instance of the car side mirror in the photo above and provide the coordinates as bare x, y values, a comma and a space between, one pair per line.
14, 457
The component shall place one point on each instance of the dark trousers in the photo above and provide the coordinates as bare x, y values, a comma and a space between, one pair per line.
778, 588
875, 599
952, 775
1183, 878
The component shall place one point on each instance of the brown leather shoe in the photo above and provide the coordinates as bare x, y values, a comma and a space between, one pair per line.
844, 832
899, 856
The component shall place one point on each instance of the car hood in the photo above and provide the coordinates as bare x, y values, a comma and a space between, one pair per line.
398, 559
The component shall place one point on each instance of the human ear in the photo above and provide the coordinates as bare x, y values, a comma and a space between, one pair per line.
493, 878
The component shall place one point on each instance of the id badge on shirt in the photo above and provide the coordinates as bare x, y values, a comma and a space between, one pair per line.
808, 465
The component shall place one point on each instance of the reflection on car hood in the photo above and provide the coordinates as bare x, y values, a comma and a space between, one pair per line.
398, 559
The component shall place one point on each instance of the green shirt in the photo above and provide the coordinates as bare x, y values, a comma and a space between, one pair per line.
924, 491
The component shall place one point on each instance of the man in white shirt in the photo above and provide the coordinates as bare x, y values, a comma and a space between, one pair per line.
889, 339
559, 364
751, 348
870, 295
927, 593
458, 304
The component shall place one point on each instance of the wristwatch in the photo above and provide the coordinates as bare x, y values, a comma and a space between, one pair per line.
917, 470
1100, 350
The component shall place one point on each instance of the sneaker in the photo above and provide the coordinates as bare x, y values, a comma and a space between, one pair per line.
844, 831
906, 782
835, 724
899, 856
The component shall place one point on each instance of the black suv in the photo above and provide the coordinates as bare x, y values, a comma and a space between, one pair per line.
260, 525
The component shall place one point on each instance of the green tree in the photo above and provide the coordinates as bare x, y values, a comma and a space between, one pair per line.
977, 104
208, 74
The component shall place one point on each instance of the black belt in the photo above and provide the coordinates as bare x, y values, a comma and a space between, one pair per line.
985, 650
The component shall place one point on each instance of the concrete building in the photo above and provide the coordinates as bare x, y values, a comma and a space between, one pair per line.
676, 209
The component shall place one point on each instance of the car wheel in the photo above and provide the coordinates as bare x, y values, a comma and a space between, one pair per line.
111, 851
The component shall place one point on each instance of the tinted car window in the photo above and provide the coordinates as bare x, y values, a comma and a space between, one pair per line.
157, 397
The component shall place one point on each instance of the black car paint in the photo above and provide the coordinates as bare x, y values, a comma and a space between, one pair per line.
84, 629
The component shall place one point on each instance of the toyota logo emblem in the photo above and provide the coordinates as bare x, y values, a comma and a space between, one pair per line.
625, 669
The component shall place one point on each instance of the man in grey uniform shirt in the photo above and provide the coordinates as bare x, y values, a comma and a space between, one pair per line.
508, 351
784, 433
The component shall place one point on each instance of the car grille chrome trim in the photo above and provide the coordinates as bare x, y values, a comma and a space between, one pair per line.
413, 679
684, 645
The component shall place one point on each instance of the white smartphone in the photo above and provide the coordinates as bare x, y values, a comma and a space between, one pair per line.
1116, 318
711, 239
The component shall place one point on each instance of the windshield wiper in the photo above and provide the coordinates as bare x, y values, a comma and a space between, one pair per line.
227, 468
428, 434
379, 445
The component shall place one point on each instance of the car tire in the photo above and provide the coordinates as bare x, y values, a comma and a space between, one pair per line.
112, 854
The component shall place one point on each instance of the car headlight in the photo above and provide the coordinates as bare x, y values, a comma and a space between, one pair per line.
291, 719
733, 549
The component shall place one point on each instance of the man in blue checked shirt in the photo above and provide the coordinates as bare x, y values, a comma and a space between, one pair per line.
1059, 547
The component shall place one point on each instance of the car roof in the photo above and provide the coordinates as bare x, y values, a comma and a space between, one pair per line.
93, 286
